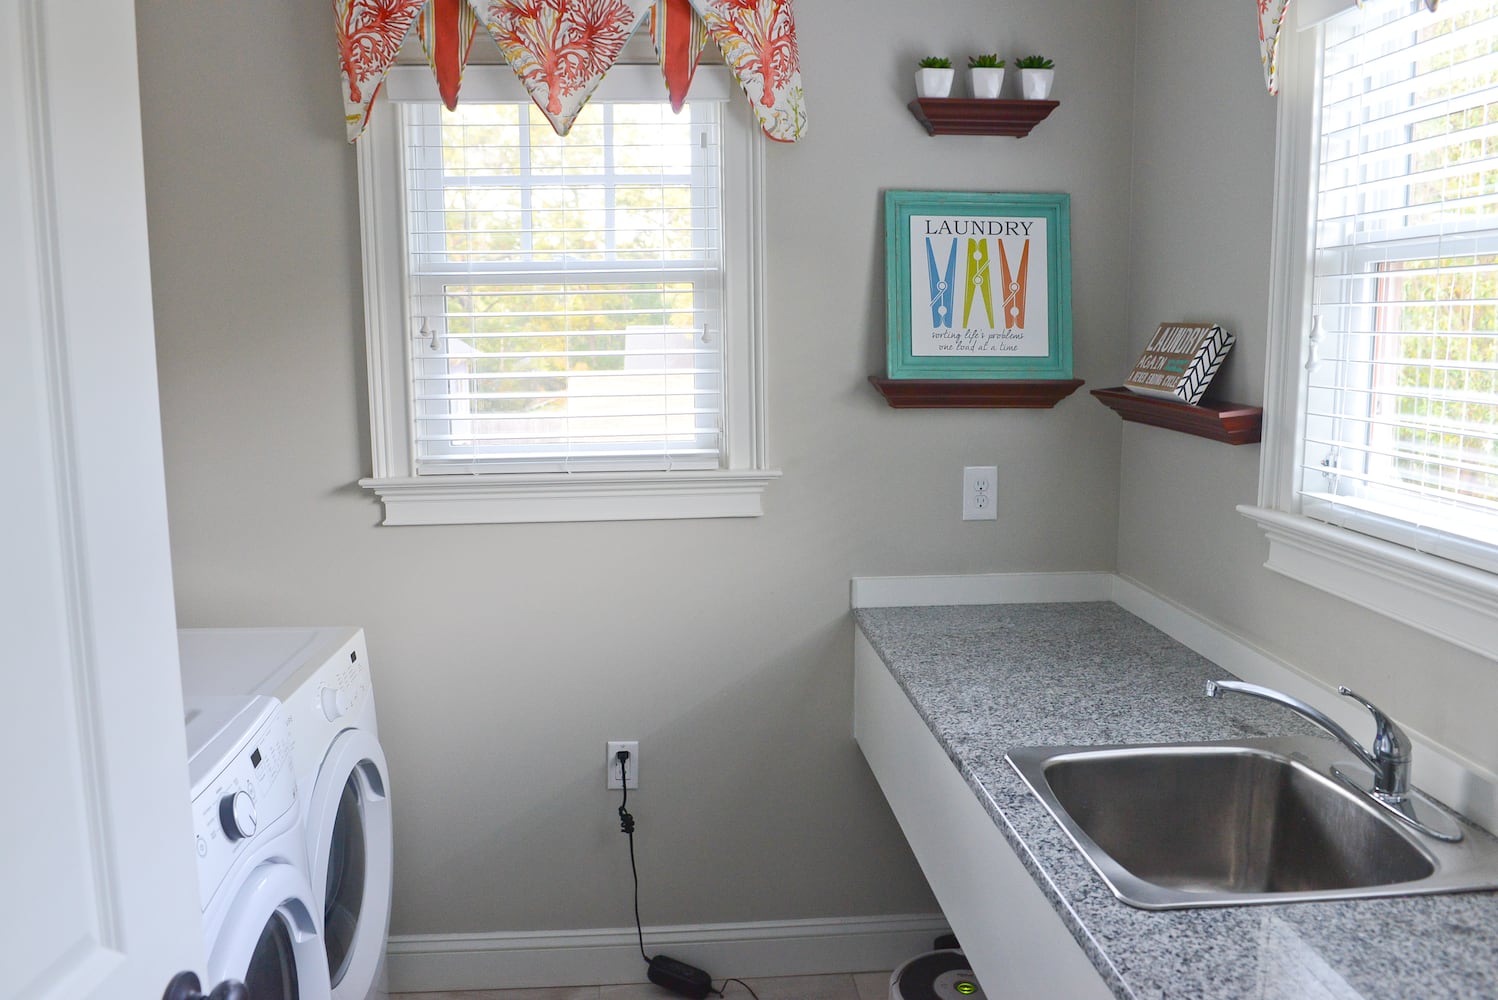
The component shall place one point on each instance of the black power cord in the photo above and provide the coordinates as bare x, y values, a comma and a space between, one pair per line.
627, 827
678, 977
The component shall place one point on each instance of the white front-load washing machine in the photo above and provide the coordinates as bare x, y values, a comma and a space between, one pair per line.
321, 675
261, 922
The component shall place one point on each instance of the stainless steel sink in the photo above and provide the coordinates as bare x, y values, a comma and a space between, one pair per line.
1251, 821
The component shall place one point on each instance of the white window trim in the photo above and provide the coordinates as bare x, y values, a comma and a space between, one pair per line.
735, 491
1446, 599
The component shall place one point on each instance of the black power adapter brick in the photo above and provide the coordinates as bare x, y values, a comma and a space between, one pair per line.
679, 977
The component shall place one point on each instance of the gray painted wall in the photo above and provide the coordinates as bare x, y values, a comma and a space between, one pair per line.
1203, 186
504, 656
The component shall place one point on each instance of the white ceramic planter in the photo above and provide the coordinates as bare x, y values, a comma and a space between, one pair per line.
1035, 84
933, 82
986, 81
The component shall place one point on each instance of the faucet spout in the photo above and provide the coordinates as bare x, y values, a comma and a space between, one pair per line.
1390, 754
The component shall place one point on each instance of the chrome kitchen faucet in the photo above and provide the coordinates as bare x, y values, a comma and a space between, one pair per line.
1389, 758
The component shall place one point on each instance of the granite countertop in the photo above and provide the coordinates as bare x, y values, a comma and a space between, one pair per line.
987, 678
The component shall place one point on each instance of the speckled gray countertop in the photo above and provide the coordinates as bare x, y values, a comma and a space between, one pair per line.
987, 678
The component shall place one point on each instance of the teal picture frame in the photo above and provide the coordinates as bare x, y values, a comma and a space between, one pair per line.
978, 285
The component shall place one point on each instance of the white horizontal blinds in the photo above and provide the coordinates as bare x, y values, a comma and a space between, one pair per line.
1401, 429
565, 293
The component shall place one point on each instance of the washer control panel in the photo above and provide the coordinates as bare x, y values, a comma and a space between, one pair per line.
334, 696
254, 788
343, 682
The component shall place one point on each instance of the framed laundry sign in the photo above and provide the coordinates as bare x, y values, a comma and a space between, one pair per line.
979, 285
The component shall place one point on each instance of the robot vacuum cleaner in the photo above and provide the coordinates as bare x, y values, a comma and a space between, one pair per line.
936, 975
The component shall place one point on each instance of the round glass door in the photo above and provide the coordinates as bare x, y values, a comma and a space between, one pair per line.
345, 881
272, 972
349, 845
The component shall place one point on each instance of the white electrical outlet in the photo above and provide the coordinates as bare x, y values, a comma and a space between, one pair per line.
979, 486
631, 766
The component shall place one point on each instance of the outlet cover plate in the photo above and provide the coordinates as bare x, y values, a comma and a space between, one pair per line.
980, 493
631, 766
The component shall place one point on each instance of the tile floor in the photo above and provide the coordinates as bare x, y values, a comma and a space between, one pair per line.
857, 986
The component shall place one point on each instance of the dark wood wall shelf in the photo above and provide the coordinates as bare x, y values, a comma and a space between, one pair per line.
968, 116
972, 394
1231, 423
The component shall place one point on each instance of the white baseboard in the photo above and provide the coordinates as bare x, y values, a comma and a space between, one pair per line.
1460, 783
428, 962
980, 588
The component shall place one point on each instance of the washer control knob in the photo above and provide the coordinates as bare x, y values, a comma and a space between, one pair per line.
236, 813
335, 703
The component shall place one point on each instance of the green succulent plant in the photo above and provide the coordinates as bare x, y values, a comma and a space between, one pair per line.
1034, 62
935, 62
991, 61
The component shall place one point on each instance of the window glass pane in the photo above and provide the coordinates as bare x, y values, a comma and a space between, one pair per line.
1433, 372
1401, 419
566, 293
477, 138
582, 149
570, 221
482, 223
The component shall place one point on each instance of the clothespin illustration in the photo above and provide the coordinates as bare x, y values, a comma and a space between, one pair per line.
1014, 291
979, 278
941, 287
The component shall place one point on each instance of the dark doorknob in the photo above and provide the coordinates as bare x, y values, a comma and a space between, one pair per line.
186, 986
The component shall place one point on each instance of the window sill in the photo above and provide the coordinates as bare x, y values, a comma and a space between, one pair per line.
1450, 601
599, 496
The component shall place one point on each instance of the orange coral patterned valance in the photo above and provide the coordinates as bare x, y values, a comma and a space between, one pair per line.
560, 49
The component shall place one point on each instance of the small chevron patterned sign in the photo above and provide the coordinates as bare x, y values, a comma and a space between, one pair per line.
1180, 361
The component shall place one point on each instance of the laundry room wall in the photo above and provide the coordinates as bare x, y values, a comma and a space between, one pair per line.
1203, 200
504, 656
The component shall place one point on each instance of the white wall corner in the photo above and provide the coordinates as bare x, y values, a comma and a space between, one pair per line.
430, 962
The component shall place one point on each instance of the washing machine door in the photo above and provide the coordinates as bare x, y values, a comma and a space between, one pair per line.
269, 939
350, 850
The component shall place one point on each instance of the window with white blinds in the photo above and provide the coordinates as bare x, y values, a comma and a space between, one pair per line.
1400, 420
565, 294
564, 329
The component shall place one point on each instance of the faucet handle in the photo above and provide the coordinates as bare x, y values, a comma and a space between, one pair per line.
1390, 747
